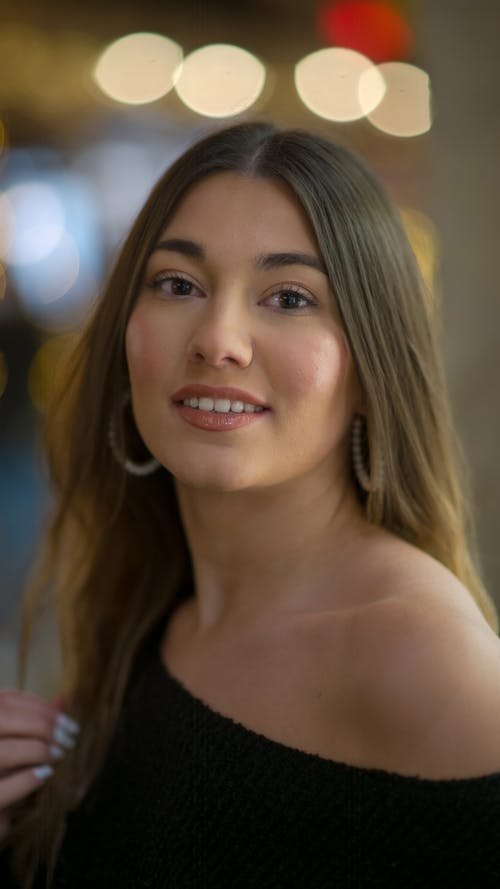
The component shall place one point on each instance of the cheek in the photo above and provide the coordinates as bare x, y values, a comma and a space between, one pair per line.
144, 346
314, 364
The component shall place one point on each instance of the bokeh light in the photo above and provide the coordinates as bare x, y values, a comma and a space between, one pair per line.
57, 273
25, 55
138, 68
328, 82
121, 173
220, 80
44, 367
31, 222
53, 280
405, 107
46, 71
372, 27
6, 225
55, 293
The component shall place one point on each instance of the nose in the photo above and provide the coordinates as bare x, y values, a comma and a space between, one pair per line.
222, 335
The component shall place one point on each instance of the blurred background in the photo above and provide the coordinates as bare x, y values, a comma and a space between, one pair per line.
96, 99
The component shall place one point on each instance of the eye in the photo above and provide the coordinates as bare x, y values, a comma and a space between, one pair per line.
173, 285
290, 299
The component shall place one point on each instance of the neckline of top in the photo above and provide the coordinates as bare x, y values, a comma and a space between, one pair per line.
314, 759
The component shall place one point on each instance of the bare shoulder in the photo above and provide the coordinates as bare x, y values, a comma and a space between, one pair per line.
426, 673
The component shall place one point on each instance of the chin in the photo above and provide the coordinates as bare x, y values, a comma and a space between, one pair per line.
218, 479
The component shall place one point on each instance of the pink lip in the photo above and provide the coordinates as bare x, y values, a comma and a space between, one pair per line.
214, 422
197, 390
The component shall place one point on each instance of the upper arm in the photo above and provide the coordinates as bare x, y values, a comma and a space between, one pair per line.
428, 691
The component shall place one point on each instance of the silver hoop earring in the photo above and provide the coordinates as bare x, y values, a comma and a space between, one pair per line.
133, 468
368, 478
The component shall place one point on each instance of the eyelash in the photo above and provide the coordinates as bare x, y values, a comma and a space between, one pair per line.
159, 280
297, 291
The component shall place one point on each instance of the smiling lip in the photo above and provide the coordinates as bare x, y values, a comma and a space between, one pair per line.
212, 421
197, 390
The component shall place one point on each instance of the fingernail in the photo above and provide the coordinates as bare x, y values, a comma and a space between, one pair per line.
62, 738
43, 772
67, 723
56, 752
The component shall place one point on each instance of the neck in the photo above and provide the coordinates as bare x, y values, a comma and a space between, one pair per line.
262, 551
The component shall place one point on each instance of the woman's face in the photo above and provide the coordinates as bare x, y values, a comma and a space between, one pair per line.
234, 297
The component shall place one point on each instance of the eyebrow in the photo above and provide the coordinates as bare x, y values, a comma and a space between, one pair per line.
180, 245
265, 261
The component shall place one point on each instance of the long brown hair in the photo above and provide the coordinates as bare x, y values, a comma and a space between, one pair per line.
116, 556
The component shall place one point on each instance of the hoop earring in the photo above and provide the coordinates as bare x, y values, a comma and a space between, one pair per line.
367, 476
133, 468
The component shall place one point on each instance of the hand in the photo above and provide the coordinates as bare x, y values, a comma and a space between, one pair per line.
34, 736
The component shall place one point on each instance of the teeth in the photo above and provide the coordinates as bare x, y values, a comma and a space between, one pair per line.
223, 405
205, 404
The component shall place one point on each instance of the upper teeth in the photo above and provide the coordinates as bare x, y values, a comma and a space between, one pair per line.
222, 405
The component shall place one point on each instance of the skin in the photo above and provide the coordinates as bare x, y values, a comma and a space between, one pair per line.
269, 510
261, 505
352, 632
27, 725
273, 522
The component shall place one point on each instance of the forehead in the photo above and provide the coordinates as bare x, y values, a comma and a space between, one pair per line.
254, 212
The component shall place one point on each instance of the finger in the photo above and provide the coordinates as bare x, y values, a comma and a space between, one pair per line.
18, 752
30, 716
27, 698
21, 784
24, 702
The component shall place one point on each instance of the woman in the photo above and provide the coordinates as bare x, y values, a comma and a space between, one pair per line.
282, 663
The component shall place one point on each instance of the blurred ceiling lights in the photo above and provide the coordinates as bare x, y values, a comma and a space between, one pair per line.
338, 83
220, 80
405, 108
343, 85
328, 81
138, 68
55, 225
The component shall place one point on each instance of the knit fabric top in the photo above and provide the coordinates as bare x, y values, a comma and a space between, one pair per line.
189, 798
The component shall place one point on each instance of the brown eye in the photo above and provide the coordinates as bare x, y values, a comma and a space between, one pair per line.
173, 285
180, 286
289, 299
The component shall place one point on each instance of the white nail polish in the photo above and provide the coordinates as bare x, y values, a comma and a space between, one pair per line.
62, 738
43, 772
67, 723
56, 752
